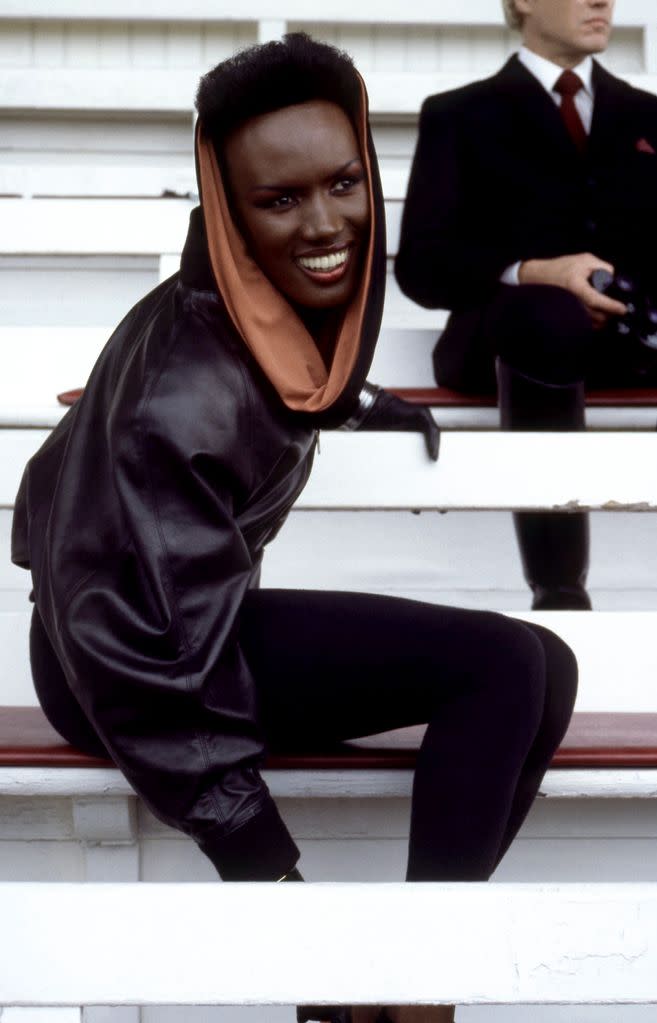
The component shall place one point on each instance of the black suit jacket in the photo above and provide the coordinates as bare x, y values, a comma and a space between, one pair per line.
496, 179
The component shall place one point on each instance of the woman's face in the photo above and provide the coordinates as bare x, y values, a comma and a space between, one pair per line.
300, 197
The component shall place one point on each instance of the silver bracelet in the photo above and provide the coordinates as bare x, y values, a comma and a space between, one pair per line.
366, 400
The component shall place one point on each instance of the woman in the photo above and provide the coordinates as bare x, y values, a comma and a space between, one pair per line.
144, 516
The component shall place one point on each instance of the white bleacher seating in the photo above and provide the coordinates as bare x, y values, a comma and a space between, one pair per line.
407, 40
96, 174
49, 359
504, 944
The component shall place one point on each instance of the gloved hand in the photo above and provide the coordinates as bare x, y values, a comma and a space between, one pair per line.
387, 412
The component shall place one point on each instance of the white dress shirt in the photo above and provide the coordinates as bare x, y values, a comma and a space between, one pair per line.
547, 74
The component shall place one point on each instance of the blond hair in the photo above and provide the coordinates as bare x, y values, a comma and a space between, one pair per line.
513, 18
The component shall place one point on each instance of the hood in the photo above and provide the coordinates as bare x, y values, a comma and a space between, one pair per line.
269, 326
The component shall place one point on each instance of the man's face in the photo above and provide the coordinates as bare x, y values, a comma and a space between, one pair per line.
566, 31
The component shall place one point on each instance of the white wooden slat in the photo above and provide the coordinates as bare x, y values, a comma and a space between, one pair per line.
117, 141
96, 180
650, 49
84, 180
487, 471
16, 447
93, 226
16, 687
44, 1015
47, 360
575, 471
601, 641
271, 28
506, 944
82, 45
15, 46
111, 226
172, 91
41, 362
25, 415
100, 88
88, 783
49, 43
403, 357
478, 12
112, 44
148, 49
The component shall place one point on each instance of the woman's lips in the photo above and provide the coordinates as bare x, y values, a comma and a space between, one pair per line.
327, 268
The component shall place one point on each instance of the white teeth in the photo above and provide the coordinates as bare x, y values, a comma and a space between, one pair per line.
324, 263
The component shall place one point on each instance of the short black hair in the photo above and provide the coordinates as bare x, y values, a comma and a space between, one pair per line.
270, 76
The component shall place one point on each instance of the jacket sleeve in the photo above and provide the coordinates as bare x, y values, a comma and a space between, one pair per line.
152, 639
446, 258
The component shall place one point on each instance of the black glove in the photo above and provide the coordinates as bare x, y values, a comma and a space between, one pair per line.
387, 412
292, 875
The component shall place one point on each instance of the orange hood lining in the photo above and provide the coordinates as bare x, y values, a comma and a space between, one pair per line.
269, 326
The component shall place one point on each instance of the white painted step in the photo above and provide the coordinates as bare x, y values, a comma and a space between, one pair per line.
510, 944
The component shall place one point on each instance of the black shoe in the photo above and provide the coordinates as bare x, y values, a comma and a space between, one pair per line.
328, 1013
561, 598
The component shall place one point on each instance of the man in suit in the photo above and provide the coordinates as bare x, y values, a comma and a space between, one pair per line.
521, 186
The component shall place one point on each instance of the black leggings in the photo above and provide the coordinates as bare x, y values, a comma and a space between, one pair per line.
497, 695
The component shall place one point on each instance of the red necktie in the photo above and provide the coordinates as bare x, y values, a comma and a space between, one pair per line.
568, 85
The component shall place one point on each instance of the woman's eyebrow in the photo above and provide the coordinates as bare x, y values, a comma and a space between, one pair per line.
283, 187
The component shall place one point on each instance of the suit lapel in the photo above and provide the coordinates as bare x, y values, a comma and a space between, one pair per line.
537, 116
610, 111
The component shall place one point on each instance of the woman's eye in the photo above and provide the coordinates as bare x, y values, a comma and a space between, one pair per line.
346, 184
280, 202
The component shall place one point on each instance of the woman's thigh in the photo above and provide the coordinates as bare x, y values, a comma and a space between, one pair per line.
332, 666
57, 701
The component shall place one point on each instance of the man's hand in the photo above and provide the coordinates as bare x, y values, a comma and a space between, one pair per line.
572, 273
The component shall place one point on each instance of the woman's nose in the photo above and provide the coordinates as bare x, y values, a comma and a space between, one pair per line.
322, 218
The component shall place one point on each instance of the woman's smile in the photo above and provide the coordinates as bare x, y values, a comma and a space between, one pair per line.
300, 195
326, 267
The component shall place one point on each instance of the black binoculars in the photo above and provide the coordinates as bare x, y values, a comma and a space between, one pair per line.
640, 320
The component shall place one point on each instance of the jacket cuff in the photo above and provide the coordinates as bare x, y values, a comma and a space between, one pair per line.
261, 849
366, 400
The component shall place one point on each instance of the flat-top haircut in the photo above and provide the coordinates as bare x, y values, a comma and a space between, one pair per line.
272, 76
513, 18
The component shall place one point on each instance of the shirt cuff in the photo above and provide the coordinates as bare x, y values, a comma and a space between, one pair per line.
261, 849
510, 275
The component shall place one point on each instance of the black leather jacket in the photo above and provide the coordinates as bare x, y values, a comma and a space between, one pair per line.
143, 519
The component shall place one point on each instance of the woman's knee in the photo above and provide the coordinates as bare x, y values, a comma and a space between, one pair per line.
561, 678
516, 667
